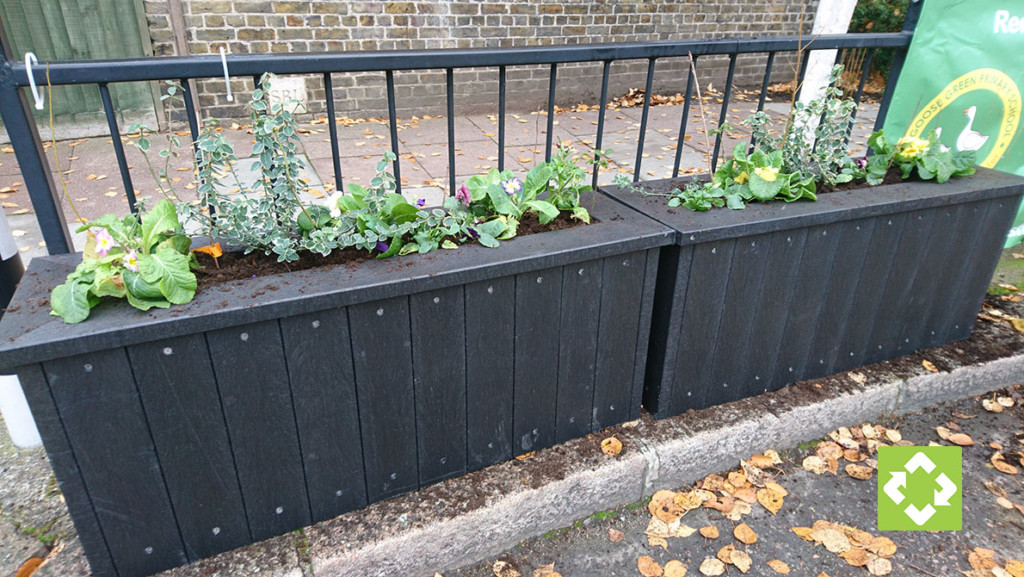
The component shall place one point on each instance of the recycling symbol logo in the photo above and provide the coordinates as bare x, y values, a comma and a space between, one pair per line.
919, 488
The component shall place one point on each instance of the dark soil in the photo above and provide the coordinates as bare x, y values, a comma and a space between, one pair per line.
667, 186
237, 266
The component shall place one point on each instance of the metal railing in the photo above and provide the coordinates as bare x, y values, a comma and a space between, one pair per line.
25, 137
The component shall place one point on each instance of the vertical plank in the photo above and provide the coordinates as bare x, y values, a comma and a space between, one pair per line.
938, 262
382, 355
997, 221
65, 468
99, 406
702, 316
669, 302
179, 395
846, 280
867, 299
536, 359
815, 268
318, 350
755, 370
249, 364
622, 285
651, 259
970, 234
580, 315
490, 367
439, 368
885, 338
746, 277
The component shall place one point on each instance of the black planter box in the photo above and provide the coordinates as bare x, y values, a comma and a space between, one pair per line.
269, 404
753, 300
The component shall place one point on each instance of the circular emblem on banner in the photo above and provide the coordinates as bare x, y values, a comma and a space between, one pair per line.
988, 79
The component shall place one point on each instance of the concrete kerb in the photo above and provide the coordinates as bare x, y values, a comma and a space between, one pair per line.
668, 454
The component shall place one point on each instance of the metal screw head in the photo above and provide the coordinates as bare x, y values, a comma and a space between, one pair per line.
168, 351
693, 237
714, 250
316, 324
87, 367
444, 460
580, 272
380, 312
244, 336
339, 493
437, 300
490, 290
148, 550
394, 476
625, 262
540, 279
279, 510
216, 530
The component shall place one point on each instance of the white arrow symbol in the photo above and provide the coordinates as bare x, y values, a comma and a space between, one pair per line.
892, 488
920, 516
948, 490
920, 460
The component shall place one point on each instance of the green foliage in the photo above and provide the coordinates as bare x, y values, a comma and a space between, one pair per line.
916, 155
144, 259
880, 16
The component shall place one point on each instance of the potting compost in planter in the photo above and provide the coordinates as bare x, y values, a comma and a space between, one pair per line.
752, 300
268, 404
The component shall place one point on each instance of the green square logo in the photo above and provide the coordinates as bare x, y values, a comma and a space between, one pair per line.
919, 488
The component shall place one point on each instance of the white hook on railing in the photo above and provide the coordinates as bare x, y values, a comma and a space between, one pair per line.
30, 59
227, 79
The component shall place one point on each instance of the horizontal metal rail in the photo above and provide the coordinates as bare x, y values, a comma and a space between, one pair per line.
28, 149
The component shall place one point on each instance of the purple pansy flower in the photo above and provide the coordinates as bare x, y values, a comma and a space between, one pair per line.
512, 185
862, 162
463, 195
382, 247
421, 202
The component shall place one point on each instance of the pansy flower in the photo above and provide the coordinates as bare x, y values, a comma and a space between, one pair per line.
462, 195
512, 185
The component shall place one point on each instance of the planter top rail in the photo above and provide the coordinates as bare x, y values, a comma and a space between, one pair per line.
15, 108
32, 335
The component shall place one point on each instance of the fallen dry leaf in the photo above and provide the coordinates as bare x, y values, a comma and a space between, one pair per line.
675, 568
616, 536
546, 571
962, 439
879, 566
1004, 503
770, 499
744, 534
1015, 568
709, 532
833, 540
649, 567
995, 489
779, 567
653, 542
991, 406
858, 472
943, 433
741, 560
855, 557
858, 378
815, 464
712, 567
930, 366
999, 462
1017, 324
29, 567
663, 507
611, 446
505, 569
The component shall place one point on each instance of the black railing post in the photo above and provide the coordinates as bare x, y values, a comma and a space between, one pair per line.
28, 149
913, 13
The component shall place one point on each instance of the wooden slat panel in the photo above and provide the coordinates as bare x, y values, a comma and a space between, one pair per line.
577, 342
937, 263
777, 296
846, 279
318, 350
439, 367
381, 349
726, 381
885, 338
943, 313
536, 364
660, 386
621, 301
815, 267
69, 477
99, 406
870, 292
652, 258
179, 394
702, 315
490, 367
253, 379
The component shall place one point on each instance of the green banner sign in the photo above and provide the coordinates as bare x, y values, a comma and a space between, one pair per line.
963, 78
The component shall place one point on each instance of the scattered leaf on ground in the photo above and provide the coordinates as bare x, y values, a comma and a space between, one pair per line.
770, 499
505, 569
675, 568
663, 507
833, 540
616, 536
1015, 568
858, 472
815, 464
858, 378
779, 567
999, 462
649, 567
611, 446
879, 566
741, 560
712, 567
962, 439
709, 532
930, 366
546, 571
29, 567
653, 542
745, 534
991, 406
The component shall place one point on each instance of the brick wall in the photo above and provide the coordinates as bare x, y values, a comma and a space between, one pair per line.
262, 26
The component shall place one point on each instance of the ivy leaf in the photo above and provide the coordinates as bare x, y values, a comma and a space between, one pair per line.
70, 301
161, 218
546, 212
169, 270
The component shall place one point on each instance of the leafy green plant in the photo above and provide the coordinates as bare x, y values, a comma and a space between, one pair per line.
911, 154
144, 258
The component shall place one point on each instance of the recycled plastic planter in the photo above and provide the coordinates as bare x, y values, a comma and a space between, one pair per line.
754, 300
269, 404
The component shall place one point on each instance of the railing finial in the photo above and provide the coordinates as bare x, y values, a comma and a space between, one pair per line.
30, 59
227, 78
